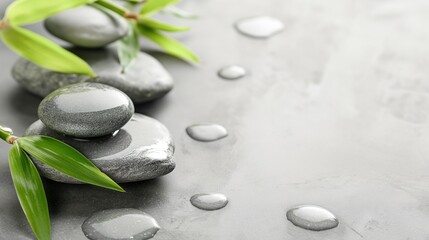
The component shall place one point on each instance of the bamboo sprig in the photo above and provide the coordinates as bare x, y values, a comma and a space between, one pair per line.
48, 54
26, 179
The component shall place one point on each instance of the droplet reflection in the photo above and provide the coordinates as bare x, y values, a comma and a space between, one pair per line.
206, 132
119, 224
259, 27
232, 72
213, 201
311, 217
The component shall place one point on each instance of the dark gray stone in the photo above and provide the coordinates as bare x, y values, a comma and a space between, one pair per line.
143, 149
87, 26
145, 79
86, 110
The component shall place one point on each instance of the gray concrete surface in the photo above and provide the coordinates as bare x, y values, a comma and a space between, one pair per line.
334, 112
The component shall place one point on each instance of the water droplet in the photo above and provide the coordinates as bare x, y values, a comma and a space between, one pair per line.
259, 27
232, 72
213, 201
311, 217
119, 224
6, 129
206, 132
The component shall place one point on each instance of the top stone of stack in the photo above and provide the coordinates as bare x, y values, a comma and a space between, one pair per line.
87, 26
86, 110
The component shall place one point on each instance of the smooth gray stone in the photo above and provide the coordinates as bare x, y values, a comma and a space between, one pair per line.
87, 26
86, 110
143, 149
145, 79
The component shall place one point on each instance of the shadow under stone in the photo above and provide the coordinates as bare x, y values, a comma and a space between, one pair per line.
153, 107
81, 199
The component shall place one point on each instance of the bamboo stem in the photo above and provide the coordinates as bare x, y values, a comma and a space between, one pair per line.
117, 9
3, 25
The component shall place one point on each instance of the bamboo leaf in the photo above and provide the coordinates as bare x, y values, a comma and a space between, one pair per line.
31, 194
128, 47
134, 1
44, 52
22, 12
155, 24
107, 5
67, 160
169, 45
153, 6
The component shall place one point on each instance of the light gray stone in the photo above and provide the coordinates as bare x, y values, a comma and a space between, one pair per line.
143, 149
145, 79
86, 110
87, 26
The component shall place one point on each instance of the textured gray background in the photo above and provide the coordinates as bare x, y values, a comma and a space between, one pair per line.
335, 112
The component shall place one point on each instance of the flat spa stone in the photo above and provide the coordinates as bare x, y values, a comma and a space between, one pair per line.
145, 79
87, 26
143, 149
86, 110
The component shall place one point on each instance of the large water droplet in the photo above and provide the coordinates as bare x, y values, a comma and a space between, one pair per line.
119, 224
212, 201
232, 72
206, 132
311, 217
259, 27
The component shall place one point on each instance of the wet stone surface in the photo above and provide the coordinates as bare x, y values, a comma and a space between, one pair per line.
145, 79
311, 217
333, 113
87, 26
120, 224
86, 110
143, 149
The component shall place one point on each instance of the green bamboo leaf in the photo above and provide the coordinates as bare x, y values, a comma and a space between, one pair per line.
31, 194
22, 12
128, 47
153, 6
134, 1
169, 45
44, 52
67, 160
109, 6
155, 24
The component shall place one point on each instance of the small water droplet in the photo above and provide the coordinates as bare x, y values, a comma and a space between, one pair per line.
206, 132
212, 201
311, 217
6, 129
259, 27
232, 72
119, 224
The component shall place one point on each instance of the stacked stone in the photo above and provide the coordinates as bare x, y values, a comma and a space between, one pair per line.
99, 121
91, 30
